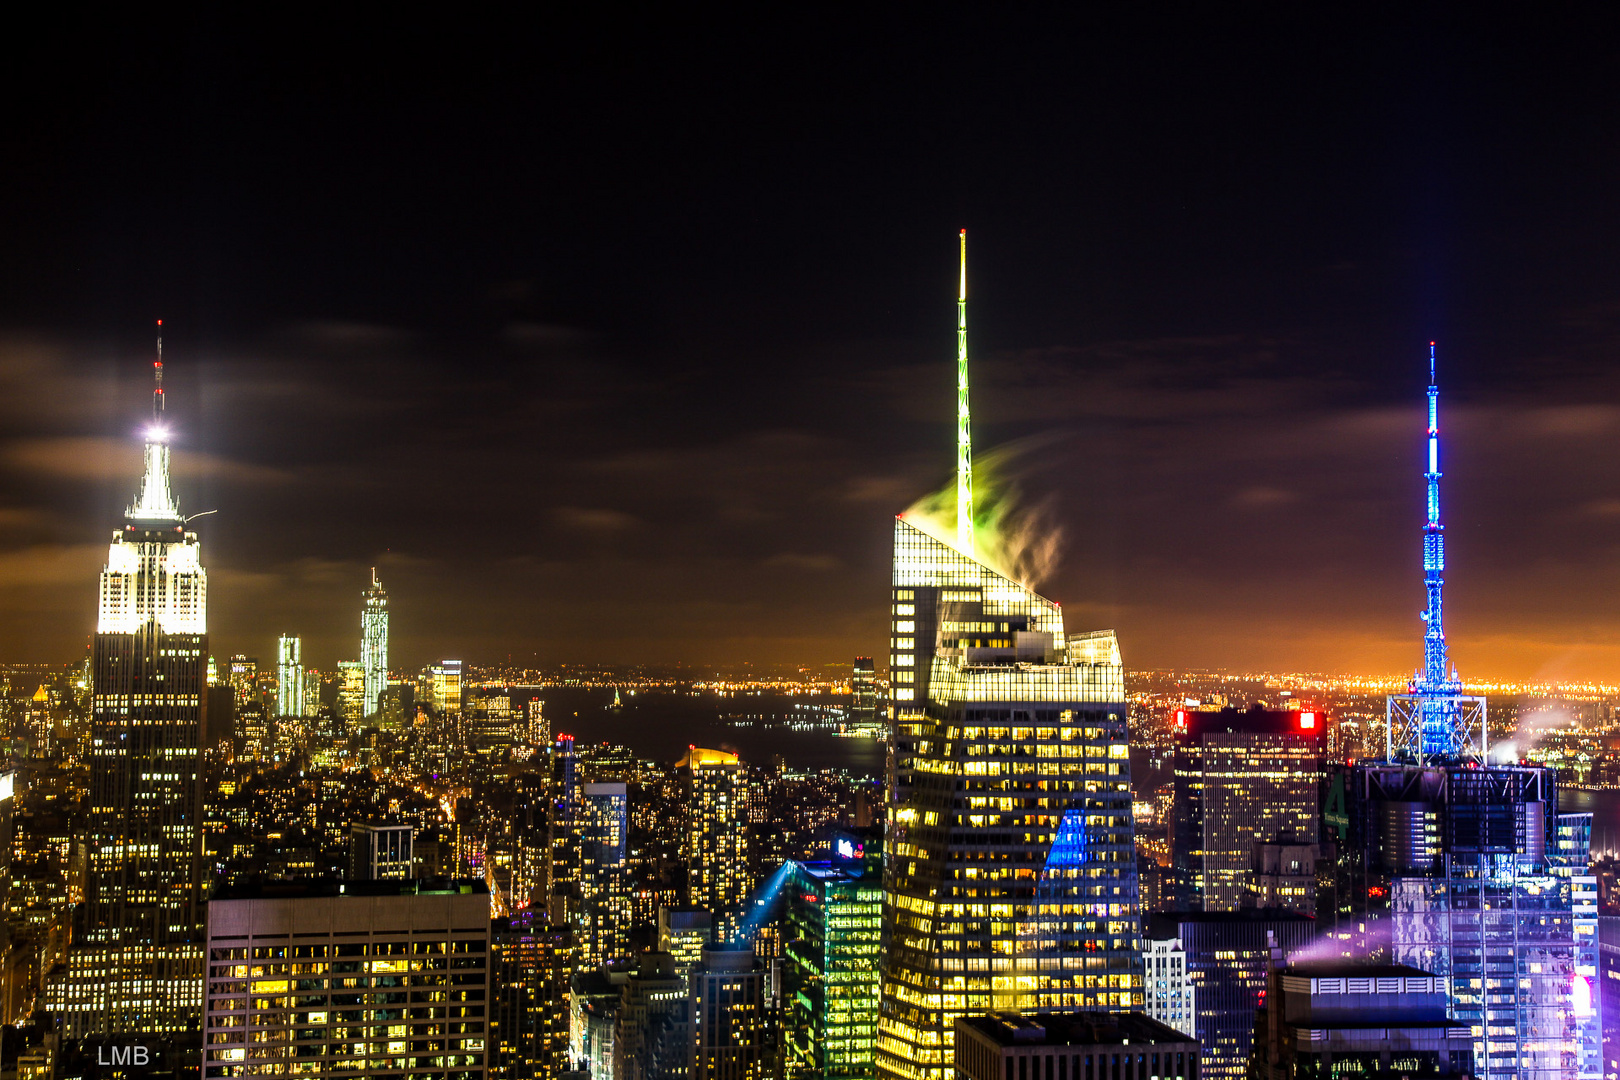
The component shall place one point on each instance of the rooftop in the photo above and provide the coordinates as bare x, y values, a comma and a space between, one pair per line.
1242, 916
1352, 969
697, 757
309, 888
1073, 1029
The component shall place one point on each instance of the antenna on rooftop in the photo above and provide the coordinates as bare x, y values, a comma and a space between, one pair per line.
964, 434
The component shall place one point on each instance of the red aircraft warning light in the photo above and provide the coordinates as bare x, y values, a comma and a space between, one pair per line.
1307, 721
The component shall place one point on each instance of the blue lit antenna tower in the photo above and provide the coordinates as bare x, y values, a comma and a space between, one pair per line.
1434, 722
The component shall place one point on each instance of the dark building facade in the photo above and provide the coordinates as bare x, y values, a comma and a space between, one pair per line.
1227, 956
1333, 1018
1072, 1046
732, 1035
326, 978
1242, 777
531, 963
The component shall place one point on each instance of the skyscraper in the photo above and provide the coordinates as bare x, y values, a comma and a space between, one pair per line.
603, 826
492, 722
310, 702
1242, 777
716, 846
289, 676
136, 960
441, 687
1461, 860
863, 693
653, 1022
1171, 998
351, 701
732, 1034
1225, 956
374, 643
539, 728
1606, 993
533, 961
244, 679
1010, 881
830, 960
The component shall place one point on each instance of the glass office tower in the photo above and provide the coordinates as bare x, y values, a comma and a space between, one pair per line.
289, 676
1463, 867
830, 959
374, 645
1010, 872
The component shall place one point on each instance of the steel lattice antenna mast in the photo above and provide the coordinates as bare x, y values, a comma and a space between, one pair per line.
1434, 722
157, 375
1436, 664
964, 434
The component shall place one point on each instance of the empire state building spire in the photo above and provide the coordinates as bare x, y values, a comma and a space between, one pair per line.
154, 501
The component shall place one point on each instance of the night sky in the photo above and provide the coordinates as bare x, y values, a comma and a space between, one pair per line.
624, 340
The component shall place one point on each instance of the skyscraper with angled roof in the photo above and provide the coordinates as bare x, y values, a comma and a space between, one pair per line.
1010, 873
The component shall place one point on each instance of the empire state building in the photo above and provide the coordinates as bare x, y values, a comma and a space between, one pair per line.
135, 964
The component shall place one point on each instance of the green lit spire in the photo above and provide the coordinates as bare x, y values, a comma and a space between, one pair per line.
964, 435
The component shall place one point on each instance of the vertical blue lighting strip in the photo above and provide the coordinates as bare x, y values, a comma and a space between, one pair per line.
1436, 687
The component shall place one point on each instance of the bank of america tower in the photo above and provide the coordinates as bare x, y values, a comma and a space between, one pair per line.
1010, 873
135, 964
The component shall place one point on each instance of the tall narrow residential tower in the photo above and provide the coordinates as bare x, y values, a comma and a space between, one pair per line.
716, 844
135, 964
1010, 876
374, 644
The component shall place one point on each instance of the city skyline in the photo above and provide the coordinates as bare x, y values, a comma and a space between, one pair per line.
566, 628
713, 426
318, 582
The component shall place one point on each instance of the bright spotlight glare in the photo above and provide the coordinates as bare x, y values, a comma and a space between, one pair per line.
157, 433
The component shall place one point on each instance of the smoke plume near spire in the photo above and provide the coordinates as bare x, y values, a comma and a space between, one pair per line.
1015, 538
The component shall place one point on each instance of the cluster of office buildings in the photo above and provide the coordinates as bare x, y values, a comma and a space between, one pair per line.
1428, 913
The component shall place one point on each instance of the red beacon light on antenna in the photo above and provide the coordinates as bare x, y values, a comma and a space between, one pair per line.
1181, 718
1307, 721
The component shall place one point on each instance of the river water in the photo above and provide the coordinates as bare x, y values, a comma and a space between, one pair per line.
661, 724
